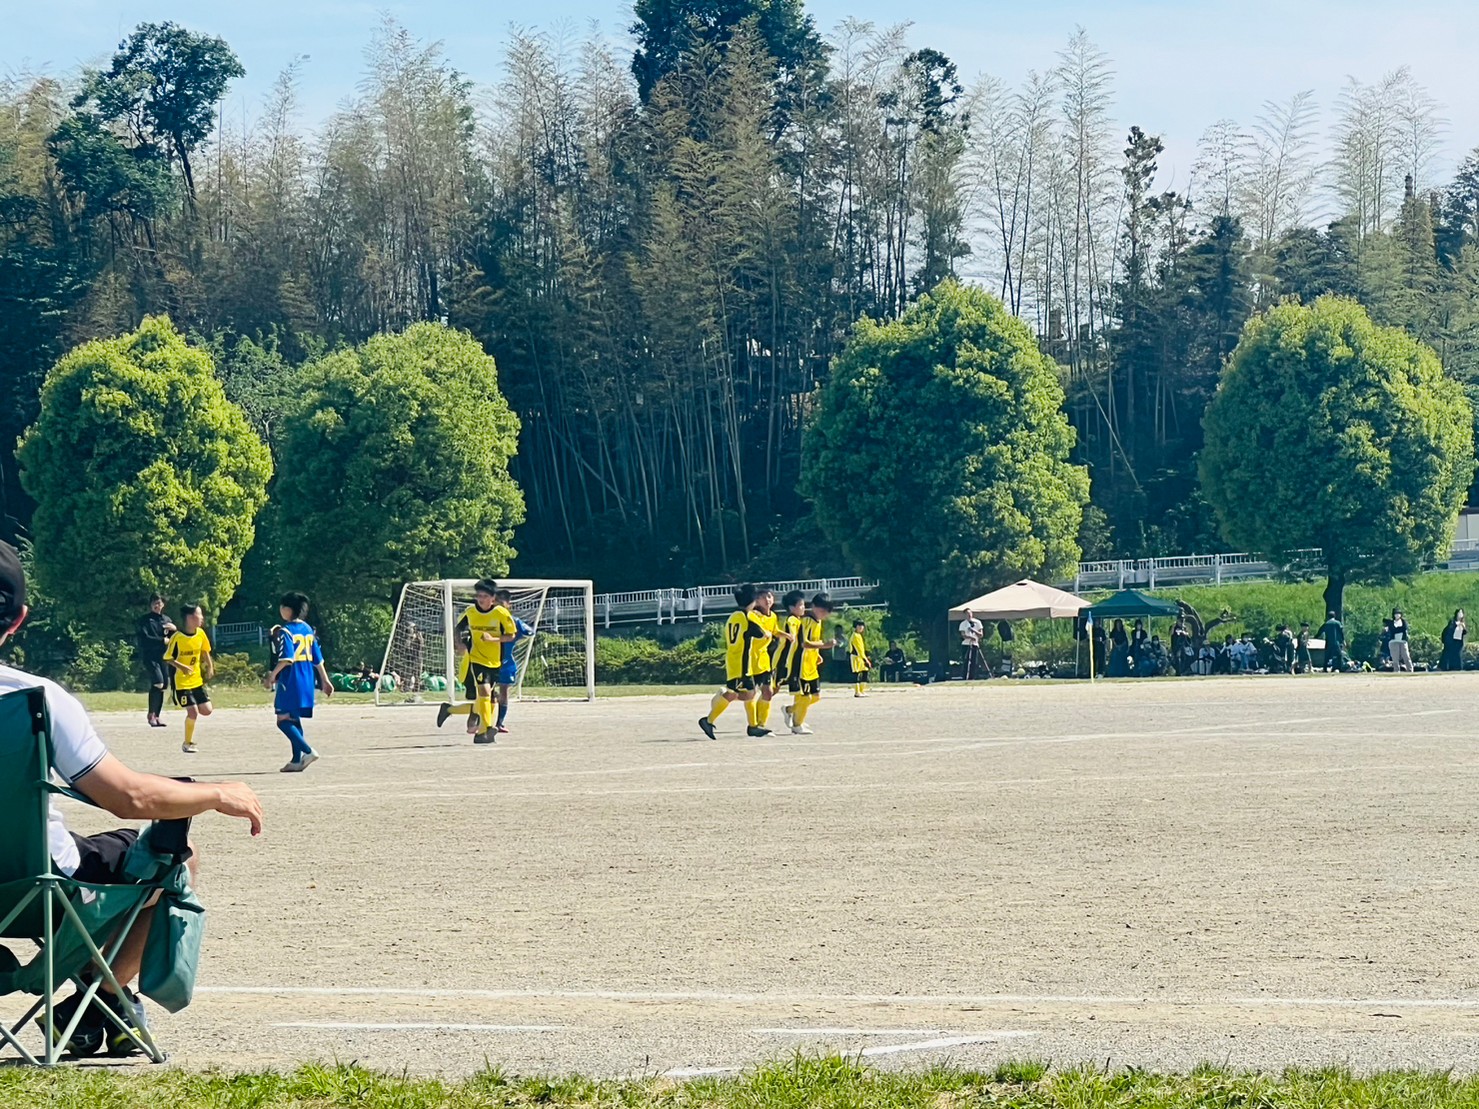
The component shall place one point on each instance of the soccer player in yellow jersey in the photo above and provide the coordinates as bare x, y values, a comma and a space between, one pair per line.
857, 650
810, 645
762, 668
188, 655
739, 633
482, 632
788, 653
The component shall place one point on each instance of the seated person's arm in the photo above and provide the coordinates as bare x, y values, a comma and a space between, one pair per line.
130, 795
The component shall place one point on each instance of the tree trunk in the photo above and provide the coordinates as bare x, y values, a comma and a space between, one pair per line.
1335, 595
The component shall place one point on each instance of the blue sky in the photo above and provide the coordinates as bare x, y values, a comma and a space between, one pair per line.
1179, 66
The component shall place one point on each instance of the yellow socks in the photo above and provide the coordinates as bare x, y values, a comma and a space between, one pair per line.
485, 710
459, 710
762, 712
717, 706
799, 708
752, 714
190, 731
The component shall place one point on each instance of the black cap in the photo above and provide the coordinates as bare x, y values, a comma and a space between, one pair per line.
12, 584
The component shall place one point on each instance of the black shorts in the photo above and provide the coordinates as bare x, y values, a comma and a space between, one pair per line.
811, 687
740, 685
761, 681
200, 695
155, 671
478, 675
103, 855
792, 682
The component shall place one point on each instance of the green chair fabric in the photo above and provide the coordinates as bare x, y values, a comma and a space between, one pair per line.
73, 924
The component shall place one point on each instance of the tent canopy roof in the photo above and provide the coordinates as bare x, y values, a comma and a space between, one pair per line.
1023, 600
1129, 604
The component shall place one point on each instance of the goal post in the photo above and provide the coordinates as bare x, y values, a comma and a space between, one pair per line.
556, 660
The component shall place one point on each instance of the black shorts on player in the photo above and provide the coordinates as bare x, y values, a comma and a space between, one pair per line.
811, 687
791, 682
478, 675
200, 695
740, 685
761, 681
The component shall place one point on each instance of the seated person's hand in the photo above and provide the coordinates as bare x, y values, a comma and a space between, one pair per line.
237, 799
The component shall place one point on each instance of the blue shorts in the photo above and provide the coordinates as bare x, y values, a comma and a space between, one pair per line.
297, 712
508, 673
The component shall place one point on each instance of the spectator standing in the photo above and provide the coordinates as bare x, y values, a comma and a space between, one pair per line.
1332, 631
1139, 639
150, 635
1099, 644
1284, 649
1453, 642
1118, 637
1399, 647
971, 631
1304, 662
1182, 655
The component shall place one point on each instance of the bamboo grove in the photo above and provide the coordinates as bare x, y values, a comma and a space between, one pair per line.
665, 249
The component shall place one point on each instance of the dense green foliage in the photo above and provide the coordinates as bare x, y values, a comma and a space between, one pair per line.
146, 478
393, 467
938, 455
829, 1082
666, 247
1330, 432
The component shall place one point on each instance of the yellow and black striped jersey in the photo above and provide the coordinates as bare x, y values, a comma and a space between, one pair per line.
811, 657
788, 653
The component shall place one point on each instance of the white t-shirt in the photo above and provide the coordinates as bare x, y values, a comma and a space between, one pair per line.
78, 750
970, 633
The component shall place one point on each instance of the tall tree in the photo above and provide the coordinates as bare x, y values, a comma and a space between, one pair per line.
1329, 431
162, 88
951, 419
136, 439
394, 466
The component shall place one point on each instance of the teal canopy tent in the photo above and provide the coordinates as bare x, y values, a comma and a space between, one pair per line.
1131, 604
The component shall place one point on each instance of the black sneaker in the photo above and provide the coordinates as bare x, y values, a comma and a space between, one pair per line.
485, 737
443, 712
707, 727
757, 731
131, 1008
89, 1035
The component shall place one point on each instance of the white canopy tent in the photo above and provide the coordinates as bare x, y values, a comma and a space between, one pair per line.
1023, 600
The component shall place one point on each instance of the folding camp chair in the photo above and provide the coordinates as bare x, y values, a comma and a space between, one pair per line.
75, 925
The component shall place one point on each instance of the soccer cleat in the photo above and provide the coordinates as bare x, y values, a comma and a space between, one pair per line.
188, 747
706, 726
786, 712
444, 712
800, 729
501, 729
485, 737
757, 731
474, 723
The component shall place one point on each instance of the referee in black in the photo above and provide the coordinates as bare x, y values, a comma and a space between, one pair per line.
152, 632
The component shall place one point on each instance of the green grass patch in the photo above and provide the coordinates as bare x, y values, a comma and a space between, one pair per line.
800, 1083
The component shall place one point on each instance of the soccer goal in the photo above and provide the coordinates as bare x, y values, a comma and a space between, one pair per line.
556, 662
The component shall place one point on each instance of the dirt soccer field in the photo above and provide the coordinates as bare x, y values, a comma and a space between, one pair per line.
1259, 871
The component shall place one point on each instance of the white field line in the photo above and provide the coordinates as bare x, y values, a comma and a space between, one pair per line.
847, 1031
739, 998
417, 1026
942, 1042
700, 1072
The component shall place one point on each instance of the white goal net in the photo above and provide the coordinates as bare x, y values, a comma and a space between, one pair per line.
556, 659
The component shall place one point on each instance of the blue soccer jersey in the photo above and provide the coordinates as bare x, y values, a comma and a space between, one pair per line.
296, 684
